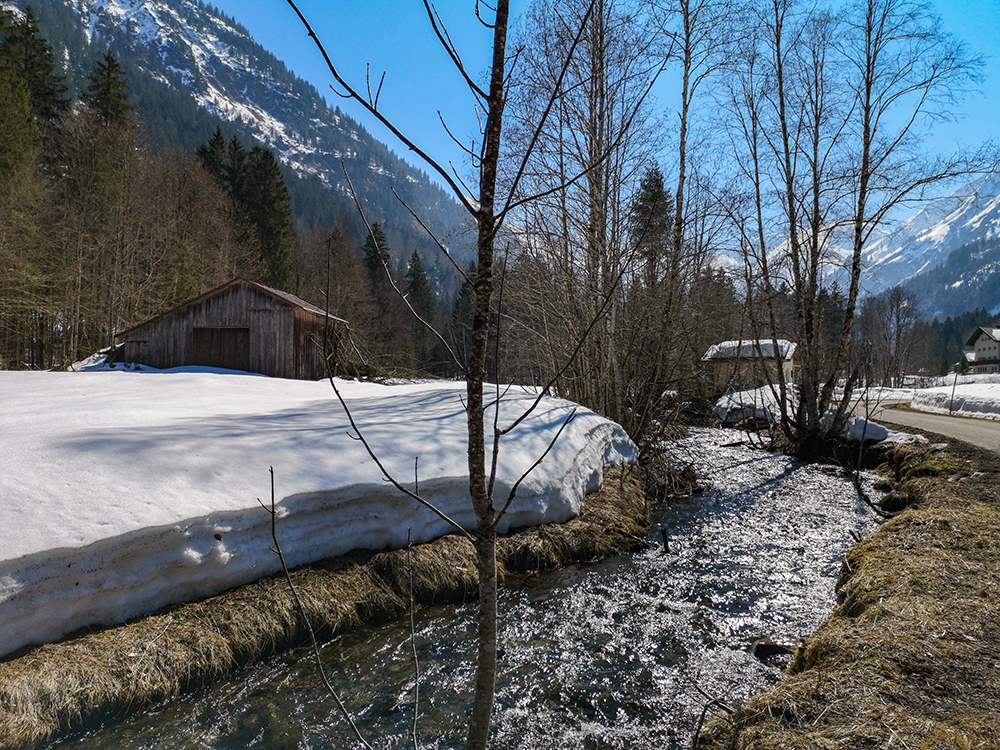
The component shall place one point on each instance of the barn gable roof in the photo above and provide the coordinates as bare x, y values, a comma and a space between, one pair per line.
284, 297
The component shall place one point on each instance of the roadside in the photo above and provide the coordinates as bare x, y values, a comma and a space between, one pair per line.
979, 432
911, 655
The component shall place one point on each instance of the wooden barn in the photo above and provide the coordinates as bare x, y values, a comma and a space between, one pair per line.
240, 325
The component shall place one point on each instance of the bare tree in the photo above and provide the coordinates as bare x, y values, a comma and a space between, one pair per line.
826, 117
576, 254
885, 337
488, 210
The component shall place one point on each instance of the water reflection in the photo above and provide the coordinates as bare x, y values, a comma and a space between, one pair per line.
611, 655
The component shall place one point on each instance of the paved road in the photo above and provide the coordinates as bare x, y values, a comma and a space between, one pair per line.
982, 432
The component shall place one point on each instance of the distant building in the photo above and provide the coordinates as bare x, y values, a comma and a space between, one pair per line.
749, 364
240, 325
983, 350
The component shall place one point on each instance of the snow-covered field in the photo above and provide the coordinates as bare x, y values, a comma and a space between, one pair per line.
125, 491
971, 396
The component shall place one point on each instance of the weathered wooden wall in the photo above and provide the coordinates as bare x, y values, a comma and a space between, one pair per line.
167, 341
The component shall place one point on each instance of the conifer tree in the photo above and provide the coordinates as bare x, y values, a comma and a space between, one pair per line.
213, 154
268, 206
107, 91
232, 173
375, 253
422, 300
650, 225
33, 61
420, 294
19, 140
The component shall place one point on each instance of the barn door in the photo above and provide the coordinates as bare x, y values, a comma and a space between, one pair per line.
222, 347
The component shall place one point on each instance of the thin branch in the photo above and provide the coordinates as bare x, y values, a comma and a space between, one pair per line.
512, 204
513, 490
437, 242
442, 34
396, 289
385, 473
489, 26
472, 154
368, 79
353, 94
302, 613
553, 98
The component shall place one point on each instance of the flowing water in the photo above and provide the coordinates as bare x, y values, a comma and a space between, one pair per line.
619, 654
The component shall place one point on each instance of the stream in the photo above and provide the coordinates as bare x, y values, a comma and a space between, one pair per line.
616, 654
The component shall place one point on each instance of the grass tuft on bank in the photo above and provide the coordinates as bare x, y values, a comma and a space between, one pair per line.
118, 670
911, 656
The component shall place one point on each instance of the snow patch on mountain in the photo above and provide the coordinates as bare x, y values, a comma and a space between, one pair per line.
923, 241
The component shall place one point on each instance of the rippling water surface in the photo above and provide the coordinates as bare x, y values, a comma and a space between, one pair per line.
618, 654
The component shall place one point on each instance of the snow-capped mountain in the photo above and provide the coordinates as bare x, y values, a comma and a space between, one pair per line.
190, 67
923, 242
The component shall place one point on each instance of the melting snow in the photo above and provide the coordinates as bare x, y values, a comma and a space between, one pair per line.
980, 400
127, 491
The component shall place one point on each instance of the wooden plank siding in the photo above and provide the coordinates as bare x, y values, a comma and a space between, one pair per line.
285, 338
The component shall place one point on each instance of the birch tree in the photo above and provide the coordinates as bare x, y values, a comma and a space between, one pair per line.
826, 117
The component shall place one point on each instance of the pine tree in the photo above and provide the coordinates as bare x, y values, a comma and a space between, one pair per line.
268, 206
213, 155
422, 300
233, 171
420, 294
650, 224
376, 254
107, 91
20, 143
33, 61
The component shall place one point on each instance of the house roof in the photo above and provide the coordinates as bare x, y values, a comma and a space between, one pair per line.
992, 333
750, 349
285, 297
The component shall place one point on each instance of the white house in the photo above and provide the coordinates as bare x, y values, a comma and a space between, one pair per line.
744, 363
984, 346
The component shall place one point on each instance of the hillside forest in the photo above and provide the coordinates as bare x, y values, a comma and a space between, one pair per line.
610, 281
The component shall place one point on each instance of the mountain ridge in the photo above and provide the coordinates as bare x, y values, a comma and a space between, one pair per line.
922, 244
185, 50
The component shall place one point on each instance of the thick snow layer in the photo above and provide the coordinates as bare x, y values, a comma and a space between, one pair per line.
126, 491
980, 400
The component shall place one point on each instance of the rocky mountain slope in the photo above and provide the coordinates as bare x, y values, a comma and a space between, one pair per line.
191, 67
920, 247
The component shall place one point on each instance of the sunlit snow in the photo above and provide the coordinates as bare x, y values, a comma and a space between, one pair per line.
125, 491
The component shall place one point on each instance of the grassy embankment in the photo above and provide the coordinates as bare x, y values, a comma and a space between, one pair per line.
911, 656
118, 670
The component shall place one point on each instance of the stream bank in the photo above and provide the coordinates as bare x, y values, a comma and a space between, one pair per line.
910, 658
612, 654
117, 671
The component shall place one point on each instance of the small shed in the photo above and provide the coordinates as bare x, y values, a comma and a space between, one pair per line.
240, 325
749, 363
984, 346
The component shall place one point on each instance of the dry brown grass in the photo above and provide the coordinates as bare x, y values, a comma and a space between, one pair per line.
911, 656
114, 671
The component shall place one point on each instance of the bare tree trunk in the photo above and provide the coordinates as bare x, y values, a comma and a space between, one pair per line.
482, 503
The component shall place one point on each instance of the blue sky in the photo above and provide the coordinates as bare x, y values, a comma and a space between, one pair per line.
395, 36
